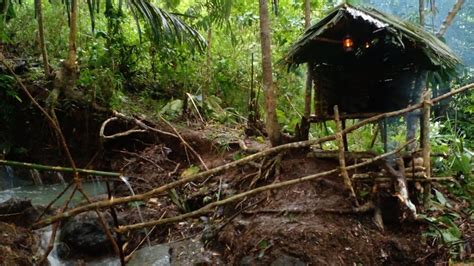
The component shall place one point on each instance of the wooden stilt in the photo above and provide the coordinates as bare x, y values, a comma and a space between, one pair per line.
425, 145
342, 160
383, 134
374, 137
344, 137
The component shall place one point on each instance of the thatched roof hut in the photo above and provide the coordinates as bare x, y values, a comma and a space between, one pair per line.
366, 61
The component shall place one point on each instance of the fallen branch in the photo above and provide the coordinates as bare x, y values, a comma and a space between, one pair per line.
241, 162
104, 137
278, 185
185, 143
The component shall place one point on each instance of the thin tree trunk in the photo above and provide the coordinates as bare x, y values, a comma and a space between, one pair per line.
205, 88
273, 129
449, 19
44, 52
6, 5
421, 10
72, 56
305, 125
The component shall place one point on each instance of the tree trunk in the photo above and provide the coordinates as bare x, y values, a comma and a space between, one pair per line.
449, 19
205, 88
44, 52
72, 56
6, 4
421, 10
305, 125
273, 129
65, 79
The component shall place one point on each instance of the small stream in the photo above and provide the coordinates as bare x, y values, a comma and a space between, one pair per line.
33, 188
37, 186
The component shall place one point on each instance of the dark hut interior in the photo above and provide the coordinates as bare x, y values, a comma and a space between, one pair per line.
367, 62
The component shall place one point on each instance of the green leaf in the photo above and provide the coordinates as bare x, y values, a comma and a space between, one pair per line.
440, 197
190, 171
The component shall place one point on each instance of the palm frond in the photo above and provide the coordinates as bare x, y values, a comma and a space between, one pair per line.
166, 26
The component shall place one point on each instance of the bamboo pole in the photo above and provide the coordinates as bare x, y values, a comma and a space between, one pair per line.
342, 160
208, 208
243, 161
58, 168
426, 148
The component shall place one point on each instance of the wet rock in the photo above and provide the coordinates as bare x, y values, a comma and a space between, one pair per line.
155, 255
83, 235
187, 252
19, 212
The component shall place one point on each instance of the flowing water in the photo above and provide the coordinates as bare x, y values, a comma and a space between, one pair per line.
43, 195
31, 187
125, 181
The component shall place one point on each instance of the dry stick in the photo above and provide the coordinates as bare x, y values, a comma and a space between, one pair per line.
195, 106
104, 137
52, 122
243, 161
55, 229
208, 207
342, 161
185, 143
143, 125
53, 201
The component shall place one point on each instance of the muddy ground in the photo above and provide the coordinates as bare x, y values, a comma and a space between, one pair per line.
301, 224
296, 225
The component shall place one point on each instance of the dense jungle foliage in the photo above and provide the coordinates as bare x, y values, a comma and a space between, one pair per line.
199, 61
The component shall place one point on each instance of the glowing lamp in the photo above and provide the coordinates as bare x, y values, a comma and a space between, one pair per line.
347, 43
367, 45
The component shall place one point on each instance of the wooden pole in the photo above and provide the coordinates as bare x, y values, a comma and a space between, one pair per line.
58, 168
344, 136
342, 160
425, 144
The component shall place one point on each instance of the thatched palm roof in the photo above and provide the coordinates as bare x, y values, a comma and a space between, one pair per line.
434, 53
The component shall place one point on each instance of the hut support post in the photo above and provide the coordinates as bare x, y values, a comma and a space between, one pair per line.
342, 160
425, 144
411, 123
344, 136
383, 134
